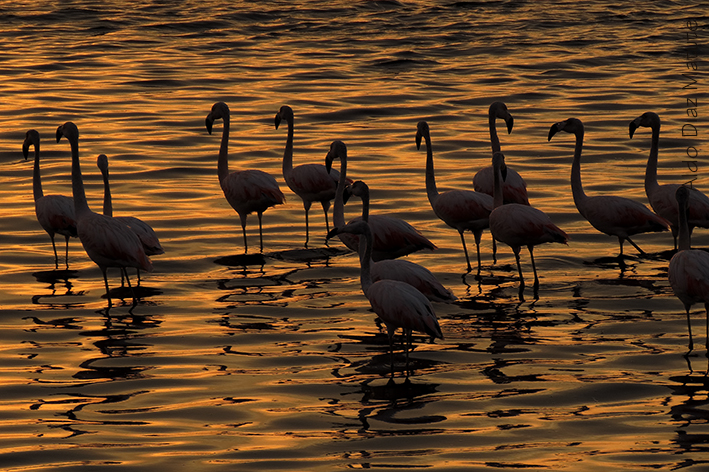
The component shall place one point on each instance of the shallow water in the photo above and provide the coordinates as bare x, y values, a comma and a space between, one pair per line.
281, 365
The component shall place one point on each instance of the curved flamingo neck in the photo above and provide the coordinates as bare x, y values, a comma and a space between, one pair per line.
81, 206
36, 179
651, 169
684, 239
338, 210
365, 258
107, 205
365, 206
431, 189
497, 196
288, 152
580, 197
223, 163
494, 139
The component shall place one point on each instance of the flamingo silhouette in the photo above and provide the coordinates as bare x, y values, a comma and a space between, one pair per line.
689, 268
106, 240
398, 304
462, 210
247, 191
55, 213
609, 214
662, 197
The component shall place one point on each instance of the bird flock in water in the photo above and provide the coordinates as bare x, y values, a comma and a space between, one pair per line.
400, 292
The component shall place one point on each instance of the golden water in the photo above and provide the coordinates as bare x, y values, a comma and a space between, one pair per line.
282, 366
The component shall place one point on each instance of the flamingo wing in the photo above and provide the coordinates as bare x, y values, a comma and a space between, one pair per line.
251, 190
621, 216
413, 274
110, 243
514, 188
55, 214
464, 209
521, 225
689, 276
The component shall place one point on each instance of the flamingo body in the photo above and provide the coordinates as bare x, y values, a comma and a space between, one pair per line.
413, 274
514, 188
609, 214
662, 197
247, 191
55, 213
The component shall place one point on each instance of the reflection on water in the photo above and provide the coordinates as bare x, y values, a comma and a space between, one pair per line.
275, 360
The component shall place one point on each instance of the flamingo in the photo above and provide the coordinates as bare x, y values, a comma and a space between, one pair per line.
398, 304
609, 214
520, 225
247, 191
463, 210
662, 197
55, 213
689, 268
392, 237
146, 234
311, 182
514, 188
106, 240
399, 269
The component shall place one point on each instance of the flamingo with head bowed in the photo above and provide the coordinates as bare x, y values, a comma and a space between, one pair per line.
146, 234
520, 225
311, 182
398, 304
662, 197
107, 241
609, 214
463, 210
55, 213
392, 237
514, 188
399, 269
247, 191
689, 268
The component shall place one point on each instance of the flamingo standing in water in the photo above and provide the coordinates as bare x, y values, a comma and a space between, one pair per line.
662, 197
107, 241
55, 213
609, 214
520, 225
689, 268
311, 182
392, 237
247, 191
398, 304
463, 210
146, 234
514, 188
399, 269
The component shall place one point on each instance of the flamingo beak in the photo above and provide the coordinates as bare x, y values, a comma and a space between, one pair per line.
510, 123
631, 128
60, 133
332, 233
553, 130
26, 149
208, 122
504, 172
277, 120
418, 140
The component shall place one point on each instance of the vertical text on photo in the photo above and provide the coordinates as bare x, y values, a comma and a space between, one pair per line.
689, 127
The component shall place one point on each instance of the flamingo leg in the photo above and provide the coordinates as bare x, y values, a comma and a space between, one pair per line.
105, 281
519, 266
306, 205
243, 230
478, 237
326, 207
706, 310
56, 259
636, 246
689, 328
260, 230
465, 249
125, 271
534, 266
67, 252
494, 251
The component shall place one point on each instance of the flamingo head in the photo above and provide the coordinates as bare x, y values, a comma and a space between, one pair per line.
682, 196
337, 150
422, 131
219, 110
649, 119
284, 114
499, 110
102, 163
69, 130
31, 138
355, 227
572, 125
